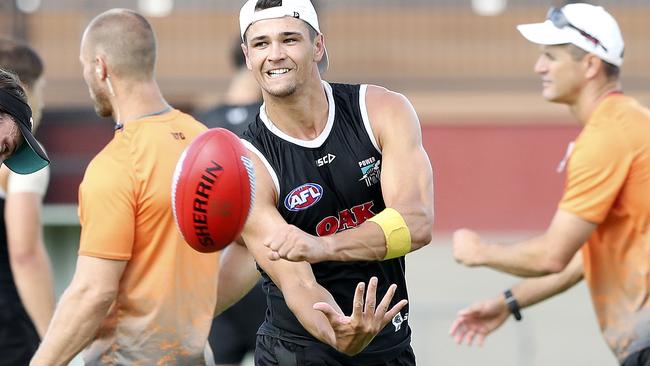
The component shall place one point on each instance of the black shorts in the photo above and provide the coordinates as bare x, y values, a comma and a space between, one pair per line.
18, 337
233, 332
274, 351
641, 358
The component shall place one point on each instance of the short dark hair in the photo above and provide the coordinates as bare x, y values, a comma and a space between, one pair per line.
10, 83
22, 60
612, 72
266, 4
128, 40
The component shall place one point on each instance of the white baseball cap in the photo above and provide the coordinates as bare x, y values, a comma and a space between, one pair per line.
301, 9
586, 26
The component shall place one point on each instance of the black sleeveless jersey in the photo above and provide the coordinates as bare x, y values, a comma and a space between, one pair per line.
327, 185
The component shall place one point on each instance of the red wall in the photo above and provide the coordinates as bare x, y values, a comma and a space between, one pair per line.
496, 177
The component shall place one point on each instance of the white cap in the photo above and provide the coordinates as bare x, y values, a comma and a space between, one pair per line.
301, 9
600, 33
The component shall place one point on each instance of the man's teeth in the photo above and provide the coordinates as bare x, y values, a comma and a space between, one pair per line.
278, 71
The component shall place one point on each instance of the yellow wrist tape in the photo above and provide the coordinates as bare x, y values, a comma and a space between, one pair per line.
397, 234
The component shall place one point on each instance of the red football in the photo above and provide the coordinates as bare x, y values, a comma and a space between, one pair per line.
213, 190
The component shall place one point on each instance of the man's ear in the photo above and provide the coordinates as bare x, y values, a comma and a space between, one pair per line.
319, 47
101, 70
593, 65
244, 49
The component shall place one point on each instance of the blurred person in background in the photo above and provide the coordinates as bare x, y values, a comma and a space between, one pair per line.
139, 295
328, 158
601, 230
26, 283
242, 99
233, 332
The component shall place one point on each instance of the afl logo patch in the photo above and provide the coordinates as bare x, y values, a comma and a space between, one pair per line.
303, 197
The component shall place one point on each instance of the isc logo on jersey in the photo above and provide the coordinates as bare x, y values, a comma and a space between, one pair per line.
303, 197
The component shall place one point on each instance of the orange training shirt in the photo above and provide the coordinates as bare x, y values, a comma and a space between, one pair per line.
608, 183
167, 294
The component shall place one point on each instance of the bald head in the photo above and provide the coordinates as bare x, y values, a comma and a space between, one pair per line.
127, 42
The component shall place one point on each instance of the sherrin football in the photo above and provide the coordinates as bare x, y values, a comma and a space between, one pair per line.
213, 190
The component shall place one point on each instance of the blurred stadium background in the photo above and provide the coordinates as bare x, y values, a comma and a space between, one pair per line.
493, 141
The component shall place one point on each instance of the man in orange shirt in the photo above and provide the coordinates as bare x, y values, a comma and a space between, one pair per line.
605, 210
140, 295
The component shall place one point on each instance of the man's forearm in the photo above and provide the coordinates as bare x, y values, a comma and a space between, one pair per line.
533, 290
301, 299
33, 276
75, 323
531, 258
367, 242
364, 243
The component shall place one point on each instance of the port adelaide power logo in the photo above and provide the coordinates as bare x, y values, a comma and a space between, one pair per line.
370, 171
303, 197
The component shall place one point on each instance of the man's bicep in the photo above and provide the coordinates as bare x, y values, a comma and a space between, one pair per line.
99, 273
567, 233
406, 173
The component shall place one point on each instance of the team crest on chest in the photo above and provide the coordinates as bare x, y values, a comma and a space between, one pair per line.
303, 197
370, 171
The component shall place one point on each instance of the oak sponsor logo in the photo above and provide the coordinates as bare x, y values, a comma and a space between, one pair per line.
201, 198
346, 219
303, 197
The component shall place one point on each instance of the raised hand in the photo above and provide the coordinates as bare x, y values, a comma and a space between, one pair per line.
351, 334
479, 320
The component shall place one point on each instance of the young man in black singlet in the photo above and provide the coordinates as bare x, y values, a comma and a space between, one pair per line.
344, 191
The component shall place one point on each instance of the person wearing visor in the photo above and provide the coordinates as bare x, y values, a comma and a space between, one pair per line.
26, 283
335, 205
19, 151
601, 230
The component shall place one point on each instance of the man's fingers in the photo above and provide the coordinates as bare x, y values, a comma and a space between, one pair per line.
455, 325
394, 310
371, 296
357, 303
332, 315
460, 333
274, 256
385, 301
469, 338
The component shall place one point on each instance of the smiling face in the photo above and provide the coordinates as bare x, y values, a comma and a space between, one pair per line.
282, 55
563, 77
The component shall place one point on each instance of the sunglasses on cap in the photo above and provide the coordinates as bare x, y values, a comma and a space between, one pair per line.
559, 20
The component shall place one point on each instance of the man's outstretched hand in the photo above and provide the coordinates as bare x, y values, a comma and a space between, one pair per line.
351, 334
478, 320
